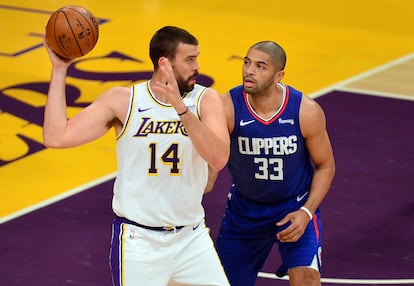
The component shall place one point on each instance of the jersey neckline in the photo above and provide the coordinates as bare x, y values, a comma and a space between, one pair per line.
277, 114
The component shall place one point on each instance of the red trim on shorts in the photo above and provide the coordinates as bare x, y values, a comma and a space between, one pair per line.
315, 224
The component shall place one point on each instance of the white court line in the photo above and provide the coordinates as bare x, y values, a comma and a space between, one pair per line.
347, 281
340, 85
58, 198
378, 93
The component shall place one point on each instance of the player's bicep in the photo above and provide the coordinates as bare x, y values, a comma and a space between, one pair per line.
96, 119
89, 124
229, 110
320, 148
212, 114
313, 127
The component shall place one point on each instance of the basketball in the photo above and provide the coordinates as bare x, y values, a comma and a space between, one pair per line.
72, 31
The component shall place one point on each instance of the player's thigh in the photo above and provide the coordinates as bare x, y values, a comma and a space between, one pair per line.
198, 262
137, 257
243, 258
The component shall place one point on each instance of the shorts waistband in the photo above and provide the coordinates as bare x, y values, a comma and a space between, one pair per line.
156, 228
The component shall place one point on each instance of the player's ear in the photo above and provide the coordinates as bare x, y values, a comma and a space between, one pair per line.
279, 75
162, 61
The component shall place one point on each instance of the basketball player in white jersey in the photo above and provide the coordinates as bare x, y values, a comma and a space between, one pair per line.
169, 130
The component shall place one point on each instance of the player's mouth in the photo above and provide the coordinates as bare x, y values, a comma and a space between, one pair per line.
248, 82
193, 80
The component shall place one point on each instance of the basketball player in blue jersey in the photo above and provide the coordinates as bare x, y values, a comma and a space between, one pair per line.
282, 165
169, 131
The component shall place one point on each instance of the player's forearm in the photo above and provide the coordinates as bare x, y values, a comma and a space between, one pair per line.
212, 177
321, 184
55, 118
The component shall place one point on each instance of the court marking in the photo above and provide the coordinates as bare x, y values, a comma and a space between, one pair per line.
338, 86
346, 281
58, 198
342, 84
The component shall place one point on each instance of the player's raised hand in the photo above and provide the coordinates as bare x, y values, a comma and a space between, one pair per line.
55, 59
167, 85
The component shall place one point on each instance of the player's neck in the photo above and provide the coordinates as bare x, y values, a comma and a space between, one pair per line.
267, 103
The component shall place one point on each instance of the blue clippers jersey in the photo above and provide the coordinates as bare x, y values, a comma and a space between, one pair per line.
269, 161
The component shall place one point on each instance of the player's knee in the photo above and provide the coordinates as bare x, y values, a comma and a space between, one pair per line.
300, 276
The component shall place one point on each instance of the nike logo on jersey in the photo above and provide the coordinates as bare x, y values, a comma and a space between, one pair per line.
143, 109
196, 226
300, 197
244, 123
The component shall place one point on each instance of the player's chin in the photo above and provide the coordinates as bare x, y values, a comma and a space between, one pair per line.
190, 85
186, 88
248, 88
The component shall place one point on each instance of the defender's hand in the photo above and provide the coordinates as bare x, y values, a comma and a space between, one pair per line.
299, 220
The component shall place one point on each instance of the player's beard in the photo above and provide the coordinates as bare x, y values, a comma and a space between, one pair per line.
184, 85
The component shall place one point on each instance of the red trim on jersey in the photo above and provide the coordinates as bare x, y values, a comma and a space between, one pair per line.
275, 116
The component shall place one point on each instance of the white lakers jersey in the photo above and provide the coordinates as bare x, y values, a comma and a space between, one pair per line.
161, 176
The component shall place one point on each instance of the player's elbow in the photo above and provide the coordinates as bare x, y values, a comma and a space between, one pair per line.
333, 168
218, 165
50, 141
50, 144
329, 168
220, 161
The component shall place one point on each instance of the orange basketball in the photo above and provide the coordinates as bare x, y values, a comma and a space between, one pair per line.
72, 31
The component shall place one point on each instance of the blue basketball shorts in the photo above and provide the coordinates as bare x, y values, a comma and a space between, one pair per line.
248, 233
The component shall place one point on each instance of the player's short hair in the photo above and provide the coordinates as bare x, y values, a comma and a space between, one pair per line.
275, 51
165, 41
